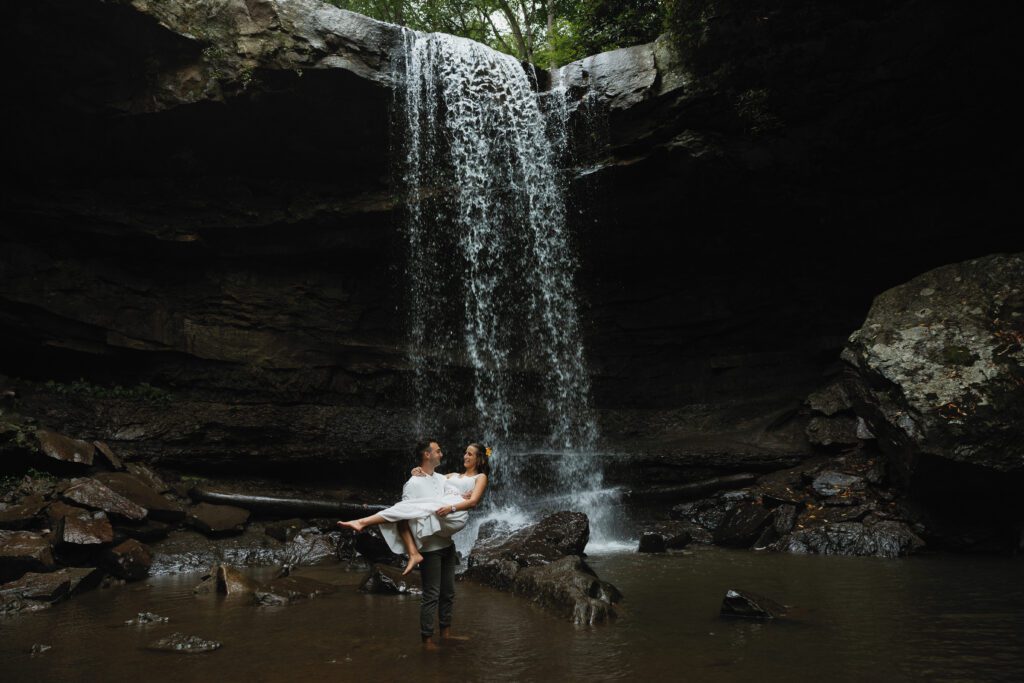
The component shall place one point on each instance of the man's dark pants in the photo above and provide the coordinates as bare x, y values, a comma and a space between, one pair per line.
438, 574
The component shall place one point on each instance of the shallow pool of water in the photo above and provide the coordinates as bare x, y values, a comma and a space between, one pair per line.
930, 618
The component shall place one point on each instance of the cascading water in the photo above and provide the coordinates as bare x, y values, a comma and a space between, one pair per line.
491, 271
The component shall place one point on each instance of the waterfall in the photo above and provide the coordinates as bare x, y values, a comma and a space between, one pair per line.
491, 269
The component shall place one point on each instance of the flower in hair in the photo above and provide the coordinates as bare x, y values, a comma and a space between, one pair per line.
487, 451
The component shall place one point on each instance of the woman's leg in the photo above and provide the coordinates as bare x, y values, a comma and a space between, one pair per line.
360, 524
410, 546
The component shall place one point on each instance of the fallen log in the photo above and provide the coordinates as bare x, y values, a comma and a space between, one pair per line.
285, 506
693, 491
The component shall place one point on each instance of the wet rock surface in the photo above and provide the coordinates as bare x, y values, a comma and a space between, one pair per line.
287, 589
51, 586
746, 605
882, 539
23, 551
387, 580
543, 563
129, 560
93, 494
184, 644
665, 536
939, 365
64, 448
23, 514
217, 519
141, 493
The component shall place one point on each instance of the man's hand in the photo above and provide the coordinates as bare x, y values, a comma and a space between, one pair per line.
418, 472
442, 511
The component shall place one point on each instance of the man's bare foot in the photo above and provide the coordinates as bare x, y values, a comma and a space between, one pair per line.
446, 635
413, 561
355, 525
429, 645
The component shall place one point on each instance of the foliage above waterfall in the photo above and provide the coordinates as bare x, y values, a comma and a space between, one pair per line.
545, 32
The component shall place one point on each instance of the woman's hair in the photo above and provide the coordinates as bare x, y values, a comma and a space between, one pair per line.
483, 466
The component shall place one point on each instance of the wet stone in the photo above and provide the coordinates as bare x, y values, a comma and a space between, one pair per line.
743, 524
569, 587
840, 430
371, 545
217, 519
142, 494
107, 454
151, 478
64, 448
147, 531
882, 539
23, 514
39, 648
830, 483
129, 560
146, 618
13, 605
652, 542
747, 605
233, 583
287, 589
23, 551
387, 580
84, 528
184, 644
95, 495
285, 530
53, 586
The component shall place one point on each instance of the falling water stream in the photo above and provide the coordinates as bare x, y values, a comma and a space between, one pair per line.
491, 267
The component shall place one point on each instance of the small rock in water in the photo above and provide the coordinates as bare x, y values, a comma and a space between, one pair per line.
181, 643
148, 618
389, 580
39, 648
737, 603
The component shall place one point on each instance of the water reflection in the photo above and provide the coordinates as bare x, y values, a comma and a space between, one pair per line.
853, 619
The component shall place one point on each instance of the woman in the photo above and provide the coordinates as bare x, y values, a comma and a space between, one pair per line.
406, 522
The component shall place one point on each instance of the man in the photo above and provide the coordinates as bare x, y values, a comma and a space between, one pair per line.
437, 569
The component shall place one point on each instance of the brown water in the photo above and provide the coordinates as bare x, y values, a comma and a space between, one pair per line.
930, 618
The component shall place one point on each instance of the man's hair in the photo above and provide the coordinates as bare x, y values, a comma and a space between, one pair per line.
421, 448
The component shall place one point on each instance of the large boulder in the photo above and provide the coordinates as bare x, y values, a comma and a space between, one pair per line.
881, 539
129, 560
98, 496
23, 551
64, 448
939, 365
543, 562
140, 492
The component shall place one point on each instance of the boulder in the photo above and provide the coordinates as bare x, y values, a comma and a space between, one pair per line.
939, 365
543, 562
183, 644
64, 448
287, 589
830, 400
95, 495
782, 520
830, 483
129, 560
371, 545
882, 539
217, 520
81, 527
285, 530
139, 491
743, 524
108, 455
840, 430
387, 580
665, 536
570, 589
23, 514
233, 583
747, 605
23, 551
52, 586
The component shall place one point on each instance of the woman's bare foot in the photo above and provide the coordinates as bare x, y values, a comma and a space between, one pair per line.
413, 561
355, 525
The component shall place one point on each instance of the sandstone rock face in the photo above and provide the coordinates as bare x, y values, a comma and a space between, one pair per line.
222, 266
940, 363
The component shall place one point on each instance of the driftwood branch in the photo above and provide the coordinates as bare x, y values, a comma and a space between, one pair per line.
697, 489
285, 506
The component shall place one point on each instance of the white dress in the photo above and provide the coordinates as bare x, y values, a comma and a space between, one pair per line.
421, 513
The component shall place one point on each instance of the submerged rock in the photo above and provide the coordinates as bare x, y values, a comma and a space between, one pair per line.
183, 644
147, 618
747, 605
390, 581
233, 583
569, 588
52, 586
287, 589
665, 536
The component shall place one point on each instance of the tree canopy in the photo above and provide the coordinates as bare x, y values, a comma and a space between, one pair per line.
544, 32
